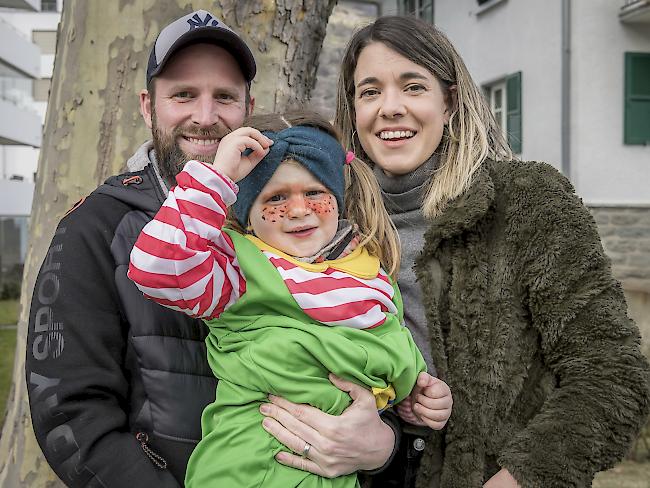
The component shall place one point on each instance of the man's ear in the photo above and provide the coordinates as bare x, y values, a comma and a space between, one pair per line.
251, 107
145, 107
451, 102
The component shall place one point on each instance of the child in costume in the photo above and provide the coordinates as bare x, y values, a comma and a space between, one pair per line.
289, 291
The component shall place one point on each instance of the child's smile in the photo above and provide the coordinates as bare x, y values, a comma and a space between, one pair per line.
295, 212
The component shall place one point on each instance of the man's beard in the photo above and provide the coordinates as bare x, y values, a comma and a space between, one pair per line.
171, 158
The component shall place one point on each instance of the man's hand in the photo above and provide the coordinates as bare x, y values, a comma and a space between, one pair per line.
503, 479
428, 404
339, 445
240, 151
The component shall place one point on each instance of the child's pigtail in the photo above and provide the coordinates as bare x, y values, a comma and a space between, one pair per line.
364, 206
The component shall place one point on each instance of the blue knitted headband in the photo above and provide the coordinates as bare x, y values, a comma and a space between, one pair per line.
317, 151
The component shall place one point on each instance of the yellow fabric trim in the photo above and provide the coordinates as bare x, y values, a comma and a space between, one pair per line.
359, 263
384, 397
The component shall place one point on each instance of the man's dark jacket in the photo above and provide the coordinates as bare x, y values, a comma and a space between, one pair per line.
104, 364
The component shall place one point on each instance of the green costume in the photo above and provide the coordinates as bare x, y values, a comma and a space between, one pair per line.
265, 343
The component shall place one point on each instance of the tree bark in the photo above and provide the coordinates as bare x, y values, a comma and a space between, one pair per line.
93, 125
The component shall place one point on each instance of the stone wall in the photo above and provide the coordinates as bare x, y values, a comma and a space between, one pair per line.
638, 307
625, 232
346, 18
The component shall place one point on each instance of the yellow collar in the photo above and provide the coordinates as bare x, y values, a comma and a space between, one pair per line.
358, 263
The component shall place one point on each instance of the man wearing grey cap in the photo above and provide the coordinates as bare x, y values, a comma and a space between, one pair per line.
116, 382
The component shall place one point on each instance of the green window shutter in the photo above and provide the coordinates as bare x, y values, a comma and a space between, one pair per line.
636, 126
486, 90
426, 11
513, 108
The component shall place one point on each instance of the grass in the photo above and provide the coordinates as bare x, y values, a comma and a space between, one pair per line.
7, 348
9, 310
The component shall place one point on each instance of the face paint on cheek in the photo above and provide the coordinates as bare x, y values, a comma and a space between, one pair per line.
322, 206
272, 213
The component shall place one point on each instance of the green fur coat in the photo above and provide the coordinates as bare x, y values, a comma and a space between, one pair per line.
529, 329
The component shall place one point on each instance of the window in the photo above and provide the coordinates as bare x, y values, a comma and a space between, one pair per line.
41, 89
636, 126
13, 248
485, 5
421, 9
498, 104
48, 6
504, 98
46, 40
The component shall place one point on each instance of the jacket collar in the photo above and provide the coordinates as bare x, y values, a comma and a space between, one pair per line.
465, 211
146, 155
142, 187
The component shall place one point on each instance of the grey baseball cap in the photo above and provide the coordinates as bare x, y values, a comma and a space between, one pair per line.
199, 26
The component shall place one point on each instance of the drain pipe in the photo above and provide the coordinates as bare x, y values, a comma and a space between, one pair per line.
566, 88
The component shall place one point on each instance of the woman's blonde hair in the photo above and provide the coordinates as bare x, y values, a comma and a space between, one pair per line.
363, 201
472, 134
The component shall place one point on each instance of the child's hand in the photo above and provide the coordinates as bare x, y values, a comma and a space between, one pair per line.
428, 404
230, 159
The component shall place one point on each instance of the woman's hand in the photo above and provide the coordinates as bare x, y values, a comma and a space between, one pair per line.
503, 479
355, 440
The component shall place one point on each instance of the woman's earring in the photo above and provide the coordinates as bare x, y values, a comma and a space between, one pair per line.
249, 229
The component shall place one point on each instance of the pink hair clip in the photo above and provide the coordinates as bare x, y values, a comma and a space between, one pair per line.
349, 156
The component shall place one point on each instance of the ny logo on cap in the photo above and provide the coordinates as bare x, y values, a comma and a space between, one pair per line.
195, 21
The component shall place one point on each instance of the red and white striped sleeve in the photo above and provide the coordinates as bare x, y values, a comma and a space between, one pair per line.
182, 259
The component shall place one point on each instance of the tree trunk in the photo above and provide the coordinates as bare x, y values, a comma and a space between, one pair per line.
93, 125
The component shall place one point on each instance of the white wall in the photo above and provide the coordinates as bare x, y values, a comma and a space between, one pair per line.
514, 35
18, 125
19, 161
525, 35
604, 170
17, 50
33, 5
17, 198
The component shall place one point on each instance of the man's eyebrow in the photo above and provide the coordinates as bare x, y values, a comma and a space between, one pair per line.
179, 87
407, 75
227, 89
182, 87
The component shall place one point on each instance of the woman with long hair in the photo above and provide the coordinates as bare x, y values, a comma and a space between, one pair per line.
506, 288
